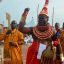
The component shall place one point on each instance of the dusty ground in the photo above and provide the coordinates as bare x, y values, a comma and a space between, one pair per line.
24, 52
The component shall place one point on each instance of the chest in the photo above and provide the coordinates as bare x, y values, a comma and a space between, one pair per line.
12, 37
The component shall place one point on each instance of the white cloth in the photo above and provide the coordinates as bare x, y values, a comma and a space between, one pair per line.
42, 47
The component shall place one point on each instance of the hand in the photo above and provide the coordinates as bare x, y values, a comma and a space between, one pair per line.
24, 15
26, 11
20, 43
12, 44
8, 32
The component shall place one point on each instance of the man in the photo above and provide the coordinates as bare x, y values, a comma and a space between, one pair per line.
57, 26
62, 39
12, 40
42, 38
57, 44
57, 29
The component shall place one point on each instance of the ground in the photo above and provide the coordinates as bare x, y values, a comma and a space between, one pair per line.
24, 50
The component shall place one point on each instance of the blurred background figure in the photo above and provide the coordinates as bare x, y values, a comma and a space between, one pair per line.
28, 39
57, 29
1, 31
1, 28
63, 26
13, 39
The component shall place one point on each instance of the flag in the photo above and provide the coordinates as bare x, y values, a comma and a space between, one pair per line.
8, 17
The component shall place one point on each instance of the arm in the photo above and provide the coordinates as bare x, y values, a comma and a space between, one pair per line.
20, 38
2, 35
21, 27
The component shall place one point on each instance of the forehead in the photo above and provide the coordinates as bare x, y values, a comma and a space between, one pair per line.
42, 16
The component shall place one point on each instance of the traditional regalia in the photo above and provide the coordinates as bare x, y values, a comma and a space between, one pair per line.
40, 52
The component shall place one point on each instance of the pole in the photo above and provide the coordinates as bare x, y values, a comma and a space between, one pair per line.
53, 16
37, 11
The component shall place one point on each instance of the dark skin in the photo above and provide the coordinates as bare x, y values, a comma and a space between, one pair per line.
42, 20
13, 26
57, 26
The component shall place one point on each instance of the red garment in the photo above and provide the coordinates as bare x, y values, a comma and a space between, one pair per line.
57, 61
55, 43
32, 54
58, 30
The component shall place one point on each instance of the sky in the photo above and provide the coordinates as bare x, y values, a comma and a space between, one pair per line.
16, 7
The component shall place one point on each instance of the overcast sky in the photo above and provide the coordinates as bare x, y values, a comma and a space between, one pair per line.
16, 8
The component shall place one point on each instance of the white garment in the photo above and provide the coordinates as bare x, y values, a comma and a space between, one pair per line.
42, 47
26, 40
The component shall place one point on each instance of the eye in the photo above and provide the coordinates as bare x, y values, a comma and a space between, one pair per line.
42, 18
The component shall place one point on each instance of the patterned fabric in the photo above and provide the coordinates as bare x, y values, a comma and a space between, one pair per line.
46, 60
47, 56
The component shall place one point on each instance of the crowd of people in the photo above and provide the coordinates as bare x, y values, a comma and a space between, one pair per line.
28, 39
47, 44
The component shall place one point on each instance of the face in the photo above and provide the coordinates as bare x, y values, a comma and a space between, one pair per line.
57, 26
13, 25
42, 20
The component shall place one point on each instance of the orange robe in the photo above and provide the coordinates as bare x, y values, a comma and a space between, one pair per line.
62, 40
14, 52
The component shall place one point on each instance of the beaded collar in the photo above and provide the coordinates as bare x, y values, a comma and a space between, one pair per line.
43, 34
